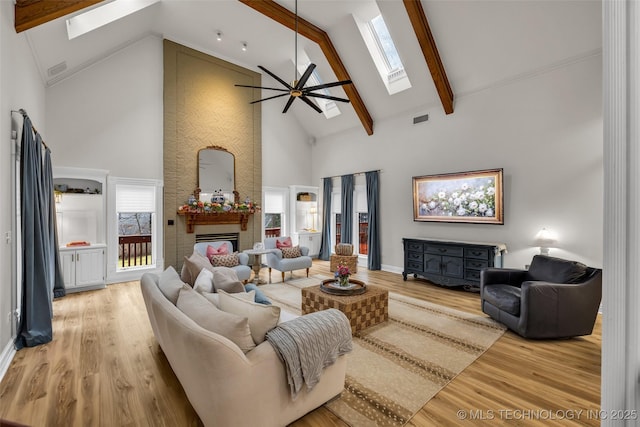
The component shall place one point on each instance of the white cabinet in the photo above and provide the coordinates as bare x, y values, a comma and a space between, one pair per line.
311, 241
83, 268
304, 218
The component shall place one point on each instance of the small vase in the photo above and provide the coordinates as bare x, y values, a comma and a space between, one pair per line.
343, 281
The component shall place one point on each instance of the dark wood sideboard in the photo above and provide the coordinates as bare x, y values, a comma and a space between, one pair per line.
450, 263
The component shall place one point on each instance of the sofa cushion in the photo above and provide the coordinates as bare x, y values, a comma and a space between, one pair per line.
504, 297
170, 284
293, 252
194, 264
262, 318
226, 279
228, 260
261, 298
204, 282
220, 250
556, 270
205, 314
284, 243
214, 298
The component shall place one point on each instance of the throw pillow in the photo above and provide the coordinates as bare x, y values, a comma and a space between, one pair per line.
260, 298
204, 282
170, 284
220, 250
226, 279
195, 263
205, 314
262, 318
284, 243
214, 298
229, 260
293, 252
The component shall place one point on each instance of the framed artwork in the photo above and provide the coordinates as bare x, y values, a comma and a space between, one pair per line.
473, 197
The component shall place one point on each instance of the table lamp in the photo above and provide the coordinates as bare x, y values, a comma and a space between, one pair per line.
545, 239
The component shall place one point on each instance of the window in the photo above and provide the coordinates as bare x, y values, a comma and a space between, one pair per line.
385, 45
103, 15
328, 107
383, 51
274, 208
135, 209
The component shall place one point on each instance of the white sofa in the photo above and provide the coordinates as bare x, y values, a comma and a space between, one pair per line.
225, 386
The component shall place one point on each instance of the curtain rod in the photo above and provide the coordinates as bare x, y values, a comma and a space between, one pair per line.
24, 114
355, 173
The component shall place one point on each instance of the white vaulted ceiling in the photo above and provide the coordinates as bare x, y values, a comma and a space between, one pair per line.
481, 43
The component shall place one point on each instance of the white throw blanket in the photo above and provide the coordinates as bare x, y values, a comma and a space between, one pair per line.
310, 343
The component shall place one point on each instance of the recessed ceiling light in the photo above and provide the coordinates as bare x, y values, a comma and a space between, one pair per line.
219, 36
244, 46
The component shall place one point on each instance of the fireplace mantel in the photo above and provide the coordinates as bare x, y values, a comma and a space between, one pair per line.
214, 218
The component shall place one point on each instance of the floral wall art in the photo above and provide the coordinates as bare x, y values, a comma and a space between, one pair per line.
474, 197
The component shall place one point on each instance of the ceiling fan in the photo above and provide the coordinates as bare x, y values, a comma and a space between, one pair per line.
297, 89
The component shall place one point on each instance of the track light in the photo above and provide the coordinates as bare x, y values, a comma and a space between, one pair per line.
219, 36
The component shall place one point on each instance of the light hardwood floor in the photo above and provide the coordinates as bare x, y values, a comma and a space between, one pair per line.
104, 368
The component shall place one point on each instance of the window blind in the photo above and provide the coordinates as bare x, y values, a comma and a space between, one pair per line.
135, 198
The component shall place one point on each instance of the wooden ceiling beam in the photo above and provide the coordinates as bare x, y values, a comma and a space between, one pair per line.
428, 45
287, 18
31, 13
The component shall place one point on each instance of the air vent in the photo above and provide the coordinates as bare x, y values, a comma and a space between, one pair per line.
420, 119
57, 69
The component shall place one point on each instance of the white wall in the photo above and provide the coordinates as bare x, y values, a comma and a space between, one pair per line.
545, 131
109, 116
286, 148
20, 87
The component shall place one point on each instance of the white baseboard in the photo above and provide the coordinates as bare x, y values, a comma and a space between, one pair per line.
6, 357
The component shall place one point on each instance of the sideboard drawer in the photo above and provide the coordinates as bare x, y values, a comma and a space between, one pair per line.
444, 250
414, 246
475, 263
472, 275
415, 265
478, 253
415, 256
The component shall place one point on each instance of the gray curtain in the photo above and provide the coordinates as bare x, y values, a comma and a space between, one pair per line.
325, 241
346, 231
373, 205
55, 269
37, 289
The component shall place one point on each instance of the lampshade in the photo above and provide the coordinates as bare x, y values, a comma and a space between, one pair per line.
545, 239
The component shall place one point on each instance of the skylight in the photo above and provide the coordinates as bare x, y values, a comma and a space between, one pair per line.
385, 44
384, 53
103, 15
328, 107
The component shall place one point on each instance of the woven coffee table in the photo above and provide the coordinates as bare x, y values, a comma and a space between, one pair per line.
363, 311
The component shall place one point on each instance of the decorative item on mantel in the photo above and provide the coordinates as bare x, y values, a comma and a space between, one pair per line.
197, 212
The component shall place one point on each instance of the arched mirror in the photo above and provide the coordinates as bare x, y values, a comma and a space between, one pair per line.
216, 170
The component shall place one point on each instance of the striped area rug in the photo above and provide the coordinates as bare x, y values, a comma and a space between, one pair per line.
397, 366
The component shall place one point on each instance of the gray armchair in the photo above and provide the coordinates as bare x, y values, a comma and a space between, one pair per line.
243, 270
277, 261
555, 298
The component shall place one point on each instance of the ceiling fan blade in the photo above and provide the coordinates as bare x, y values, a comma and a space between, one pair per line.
305, 76
326, 85
262, 87
285, 84
289, 102
271, 97
319, 95
311, 104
